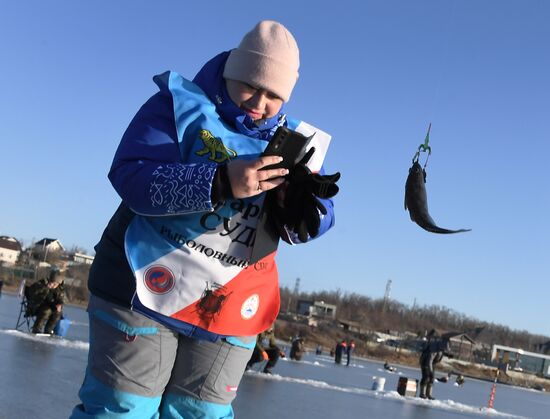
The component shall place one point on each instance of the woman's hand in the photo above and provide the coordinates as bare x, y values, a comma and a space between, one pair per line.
248, 179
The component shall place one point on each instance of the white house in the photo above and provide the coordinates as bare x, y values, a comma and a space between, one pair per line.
48, 245
10, 249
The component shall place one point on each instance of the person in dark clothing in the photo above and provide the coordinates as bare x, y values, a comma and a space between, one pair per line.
444, 378
341, 347
389, 367
433, 353
45, 301
297, 349
266, 349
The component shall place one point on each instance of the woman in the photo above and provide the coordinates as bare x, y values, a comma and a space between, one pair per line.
175, 306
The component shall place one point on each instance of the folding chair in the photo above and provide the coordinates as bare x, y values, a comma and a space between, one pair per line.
25, 317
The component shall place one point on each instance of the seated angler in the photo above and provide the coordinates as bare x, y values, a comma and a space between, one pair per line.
45, 301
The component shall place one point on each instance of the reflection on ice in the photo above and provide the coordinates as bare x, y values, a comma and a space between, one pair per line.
79, 324
49, 340
390, 372
448, 405
304, 362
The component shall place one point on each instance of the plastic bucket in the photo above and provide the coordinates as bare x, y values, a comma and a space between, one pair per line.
378, 384
62, 327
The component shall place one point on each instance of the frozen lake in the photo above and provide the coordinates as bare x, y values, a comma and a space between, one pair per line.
40, 378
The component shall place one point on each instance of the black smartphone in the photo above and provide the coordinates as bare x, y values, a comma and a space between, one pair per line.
288, 144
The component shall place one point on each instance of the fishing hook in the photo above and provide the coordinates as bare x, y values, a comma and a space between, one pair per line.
423, 148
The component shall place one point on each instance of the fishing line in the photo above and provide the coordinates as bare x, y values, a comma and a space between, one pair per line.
444, 60
437, 88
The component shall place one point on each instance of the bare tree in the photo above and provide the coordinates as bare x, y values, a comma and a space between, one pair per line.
397, 316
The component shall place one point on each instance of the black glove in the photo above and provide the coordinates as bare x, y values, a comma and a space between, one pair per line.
221, 187
302, 206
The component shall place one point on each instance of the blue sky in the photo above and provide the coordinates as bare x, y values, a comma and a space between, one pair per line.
374, 74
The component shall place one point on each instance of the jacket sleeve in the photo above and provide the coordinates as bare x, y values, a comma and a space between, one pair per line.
59, 297
259, 342
148, 172
327, 221
272, 342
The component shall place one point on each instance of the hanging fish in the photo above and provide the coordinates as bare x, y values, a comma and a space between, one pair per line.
416, 199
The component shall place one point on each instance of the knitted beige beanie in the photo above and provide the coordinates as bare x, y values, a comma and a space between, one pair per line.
267, 57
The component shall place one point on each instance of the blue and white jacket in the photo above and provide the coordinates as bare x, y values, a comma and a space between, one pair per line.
168, 252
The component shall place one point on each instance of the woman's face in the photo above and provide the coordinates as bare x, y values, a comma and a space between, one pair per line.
256, 102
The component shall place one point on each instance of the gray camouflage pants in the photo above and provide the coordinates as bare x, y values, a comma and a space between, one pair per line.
133, 355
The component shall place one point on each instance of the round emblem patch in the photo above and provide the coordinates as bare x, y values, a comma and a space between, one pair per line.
250, 306
159, 279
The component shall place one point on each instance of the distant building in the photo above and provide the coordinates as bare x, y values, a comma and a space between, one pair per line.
10, 249
303, 306
323, 310
519, 360
318, 309
351, 326
81, 259
48, 245
462, 346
